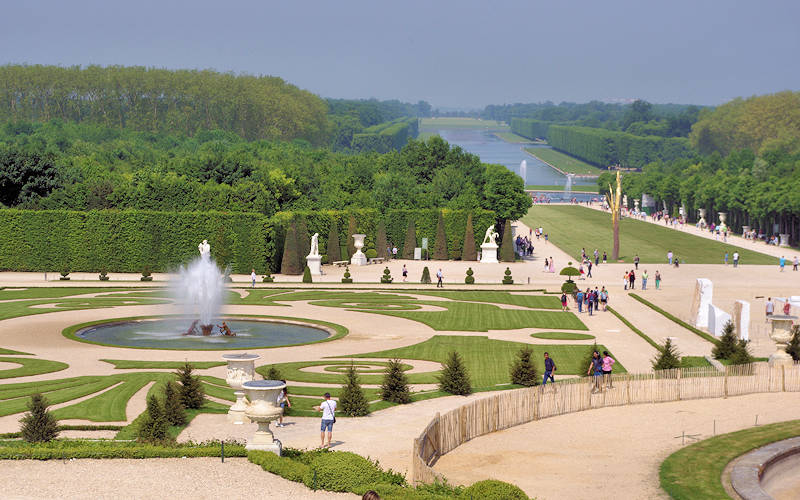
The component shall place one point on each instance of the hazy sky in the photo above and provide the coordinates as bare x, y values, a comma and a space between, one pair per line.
451, 53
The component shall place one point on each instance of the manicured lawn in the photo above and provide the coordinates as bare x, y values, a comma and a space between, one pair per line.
694, 361
52, 292
30, 366
574, 227
455, 123
591, 188
564, 162
293, 372
562, 336
126, 364
110, 406
513, 138
24, 307
696, 471
11, 351
532, 301
57, 391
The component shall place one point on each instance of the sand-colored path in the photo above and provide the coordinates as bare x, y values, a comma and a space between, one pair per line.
608, 453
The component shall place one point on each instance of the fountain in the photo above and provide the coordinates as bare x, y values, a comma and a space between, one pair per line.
241, 369
568, 187
523, 171
199, 290
262, 409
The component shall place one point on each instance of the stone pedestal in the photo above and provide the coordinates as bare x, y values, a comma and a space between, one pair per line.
489, 253
358, 258
745, 230
781, 333
263, 408
784, 239
703, 294
741, 319
314, 263
241, 369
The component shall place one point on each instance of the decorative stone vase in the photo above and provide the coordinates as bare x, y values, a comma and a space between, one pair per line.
262, 409
702, 222
241, 369
358, 258
784, 239
745, 230
781, 333
722, 217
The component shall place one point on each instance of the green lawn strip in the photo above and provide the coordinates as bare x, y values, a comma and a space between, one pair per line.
216, 391
694, 361
367, 306
129, 431
13, 352
635, 330
563, 162
682, 323
562, 336
127, 364
489, 360
574, 227
80, 448
24, 307
292, 372
513, 138
109, 406
18, 405
442, 123
11, 391
530, 301
273, 297
480, 317
30, 366
214, 380
696, 470
580, 188
53, 292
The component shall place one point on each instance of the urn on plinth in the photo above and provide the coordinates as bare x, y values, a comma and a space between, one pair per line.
241, 369
263, 408
358, 258
781, 333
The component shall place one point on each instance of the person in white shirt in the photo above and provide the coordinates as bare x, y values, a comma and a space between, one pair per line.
253, 278
735, 259
770, 308
328, 409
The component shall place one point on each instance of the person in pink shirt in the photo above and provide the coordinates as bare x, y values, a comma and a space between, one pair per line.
608, 362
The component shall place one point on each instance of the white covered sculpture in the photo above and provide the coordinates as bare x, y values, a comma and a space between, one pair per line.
703, 294
741, 319
717, 319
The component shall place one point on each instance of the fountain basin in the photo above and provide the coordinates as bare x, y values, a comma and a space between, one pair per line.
167, 333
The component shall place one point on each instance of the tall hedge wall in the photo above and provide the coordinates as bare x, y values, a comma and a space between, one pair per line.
386, 136
455, 223
530, 128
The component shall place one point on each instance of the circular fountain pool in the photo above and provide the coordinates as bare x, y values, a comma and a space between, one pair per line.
170, 334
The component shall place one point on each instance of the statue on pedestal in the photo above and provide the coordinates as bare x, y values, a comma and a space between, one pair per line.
491, 236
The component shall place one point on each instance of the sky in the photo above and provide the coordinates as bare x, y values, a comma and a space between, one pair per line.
454, 54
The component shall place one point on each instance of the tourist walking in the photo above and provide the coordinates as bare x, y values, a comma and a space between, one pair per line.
636, 262
439, 277
283, 402
552, 265
549, 369
644, 280
404, 272
608, 362
795, 263
605, 257
769, 309
658, 279
782, 262
546, 265
625, 280
596, 257
253, 278
563, 301
596, 371
735, 259
589, 269
328, 409
725, 259
669, 257
604, 298
579, 300
394, 252
632, 279
589, 300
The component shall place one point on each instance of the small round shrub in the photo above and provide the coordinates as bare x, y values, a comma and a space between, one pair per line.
492, 489
470, 279
341, 471
371, 253
569, 287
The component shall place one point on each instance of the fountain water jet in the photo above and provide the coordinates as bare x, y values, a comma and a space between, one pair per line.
523, 171
568, 186
199, 290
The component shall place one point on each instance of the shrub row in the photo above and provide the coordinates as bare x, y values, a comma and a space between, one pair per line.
530, 128
387, 136
132, 240
63, 449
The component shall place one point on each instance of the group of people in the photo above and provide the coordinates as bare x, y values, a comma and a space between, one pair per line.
600, 368
795, 263
524, 246
591, 299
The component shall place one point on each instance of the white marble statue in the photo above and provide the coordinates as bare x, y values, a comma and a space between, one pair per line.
314, 245
205, 249
491, 236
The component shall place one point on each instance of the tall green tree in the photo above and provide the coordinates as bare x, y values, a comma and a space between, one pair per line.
395, 383
507, 253
440, 249
334, 249
191, 391
454, 377
38, 424
381, 243
352, 400
290, 264
469, 252
351, 230
411, 240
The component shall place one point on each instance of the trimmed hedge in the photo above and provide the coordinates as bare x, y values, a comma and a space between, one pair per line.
63, 449
386, 136
530, 128
492, 489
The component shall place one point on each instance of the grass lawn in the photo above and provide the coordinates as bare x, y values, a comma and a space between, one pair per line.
574, 227
23, 307
11, 351
372, 375
513, 138
694, 361
563, 162
696, 471
30, 366
454, 123
110, 406
531, 301
52, 292
562, 336
126, 364
591, 188
56, 391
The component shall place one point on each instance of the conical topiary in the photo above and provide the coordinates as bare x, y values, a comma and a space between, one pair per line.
306, 275
426, 275
507, 279
303, 241
352, 401
334, 248
440, 246
411, 240
191, 390
290, 264
470, 279
346, 278
154, 427
469, 252
523, 371
727, 343
381, 244
395, 384
668, 357
174, 411
38, 425
351, 242
387, 276
507, 246
454, 377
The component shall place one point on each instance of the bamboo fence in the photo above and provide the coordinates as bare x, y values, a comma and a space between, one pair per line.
500, 411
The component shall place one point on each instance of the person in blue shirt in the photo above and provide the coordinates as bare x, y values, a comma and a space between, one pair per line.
549, 369
783, 262
579, 300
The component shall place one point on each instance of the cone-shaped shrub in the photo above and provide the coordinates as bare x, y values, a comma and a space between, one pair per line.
508, 279
440, 248
380, 240
174, 411
793, 348
191, 390
306, 275
454, 377
352, 400
727, 343
395, 383
303, 241
411, 240
290, 264
507, 246
668, 358
426, 275
38, 425
346, 278
334, 245
469, 251
470, 279
387, 276
523, 371
351, 242
154, 426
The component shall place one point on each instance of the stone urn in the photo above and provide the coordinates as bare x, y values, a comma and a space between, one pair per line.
745, 230
781, 333
702, 221
722, 217
241, 369
358, 258
263, 408
784, 239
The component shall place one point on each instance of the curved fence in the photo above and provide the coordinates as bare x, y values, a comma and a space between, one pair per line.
448, 431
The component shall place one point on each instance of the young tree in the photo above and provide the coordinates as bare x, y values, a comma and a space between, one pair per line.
334, 245
440, 246
507, 247
469, 251
727, 343
411, 240
191, 390
352, 399
290, 264
741, 355
351, 230
273, 374
381, 244
174, 411
38, 425
395, 383
667, 358
154, 427
523, 371
793, 348
454, 377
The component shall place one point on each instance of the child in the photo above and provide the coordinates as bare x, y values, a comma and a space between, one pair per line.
283, 401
